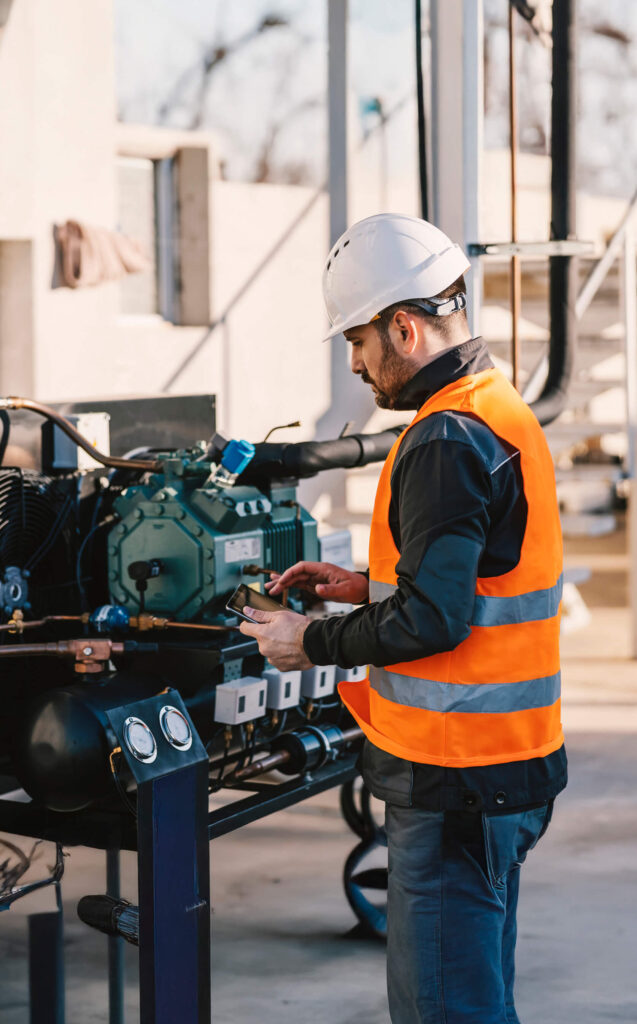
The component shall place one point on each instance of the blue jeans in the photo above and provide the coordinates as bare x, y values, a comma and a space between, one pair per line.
452, 900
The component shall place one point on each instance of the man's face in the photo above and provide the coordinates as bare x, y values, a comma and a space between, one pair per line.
375, 359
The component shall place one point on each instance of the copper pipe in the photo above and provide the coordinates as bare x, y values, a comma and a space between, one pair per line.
83, 649
258, 570
516, 274
197, 625
266, 764
50, 414
19, 627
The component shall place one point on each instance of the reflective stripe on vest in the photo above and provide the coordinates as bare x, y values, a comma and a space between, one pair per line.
497, 611
469, 698
494, 698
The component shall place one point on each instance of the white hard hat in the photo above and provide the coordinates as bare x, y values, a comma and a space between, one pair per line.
385, 259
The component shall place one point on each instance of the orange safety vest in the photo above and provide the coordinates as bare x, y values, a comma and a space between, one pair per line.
495, 698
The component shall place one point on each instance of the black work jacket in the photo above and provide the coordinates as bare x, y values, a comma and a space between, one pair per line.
472, 485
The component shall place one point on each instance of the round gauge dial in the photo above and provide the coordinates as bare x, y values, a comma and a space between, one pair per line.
140, 740
175, 727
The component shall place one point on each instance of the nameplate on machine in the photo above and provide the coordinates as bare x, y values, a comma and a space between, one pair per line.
241, 549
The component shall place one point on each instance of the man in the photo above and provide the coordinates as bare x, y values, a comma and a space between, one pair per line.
462, 706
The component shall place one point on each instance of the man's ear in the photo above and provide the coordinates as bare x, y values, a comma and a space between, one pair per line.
406, 327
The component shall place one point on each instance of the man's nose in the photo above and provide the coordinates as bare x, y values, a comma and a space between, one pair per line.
357, 364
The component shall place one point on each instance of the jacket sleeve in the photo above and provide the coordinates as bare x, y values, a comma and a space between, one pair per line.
442, 490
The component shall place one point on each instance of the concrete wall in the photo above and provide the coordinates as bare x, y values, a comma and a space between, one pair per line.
60, 141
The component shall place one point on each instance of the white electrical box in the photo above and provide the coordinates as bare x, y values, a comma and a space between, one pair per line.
59, 453
318, 681
351, 675
240, 700
328, 609
284, 689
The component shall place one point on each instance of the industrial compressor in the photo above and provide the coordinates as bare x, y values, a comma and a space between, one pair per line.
130, 695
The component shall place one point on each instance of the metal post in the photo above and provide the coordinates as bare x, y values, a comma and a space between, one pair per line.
563, 269
516, 275
115, 946
456, 128
629, 302
174, 900
337, 115
46, 965
472, 142
422, 127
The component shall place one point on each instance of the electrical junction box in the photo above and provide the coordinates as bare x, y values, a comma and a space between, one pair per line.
336, 548
318, 681
351, 675
240, 700
284, 688
60, 454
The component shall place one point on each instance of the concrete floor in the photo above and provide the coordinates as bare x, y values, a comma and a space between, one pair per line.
282, 945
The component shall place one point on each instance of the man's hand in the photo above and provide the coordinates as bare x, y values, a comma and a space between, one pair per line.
279, 636
327, 581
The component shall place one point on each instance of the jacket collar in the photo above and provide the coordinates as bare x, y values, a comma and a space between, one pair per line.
469, 357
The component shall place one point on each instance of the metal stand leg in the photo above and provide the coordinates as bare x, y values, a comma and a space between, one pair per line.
174, 902
115, 947
46, 965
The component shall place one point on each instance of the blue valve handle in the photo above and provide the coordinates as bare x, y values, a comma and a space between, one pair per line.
237, 455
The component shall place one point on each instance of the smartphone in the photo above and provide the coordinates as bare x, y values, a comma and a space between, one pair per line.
245, 595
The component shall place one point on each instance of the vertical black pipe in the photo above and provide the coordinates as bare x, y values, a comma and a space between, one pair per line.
115, 946
562, 269
422, 127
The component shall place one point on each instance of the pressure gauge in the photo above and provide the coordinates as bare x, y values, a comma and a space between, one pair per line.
175, 728
140, 740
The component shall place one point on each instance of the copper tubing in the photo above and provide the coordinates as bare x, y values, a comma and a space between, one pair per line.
258, 570
50, 414
266, 764
197, 625
19, 627
18, 650
86, 648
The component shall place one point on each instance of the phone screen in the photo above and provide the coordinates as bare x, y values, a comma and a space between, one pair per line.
245, 595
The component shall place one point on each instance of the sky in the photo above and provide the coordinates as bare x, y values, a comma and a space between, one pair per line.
265, 99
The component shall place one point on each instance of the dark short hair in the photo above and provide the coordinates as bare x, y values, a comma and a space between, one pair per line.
440, 324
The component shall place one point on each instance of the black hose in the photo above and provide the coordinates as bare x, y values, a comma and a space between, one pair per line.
422, 127
6, 432
562, 269
307, 458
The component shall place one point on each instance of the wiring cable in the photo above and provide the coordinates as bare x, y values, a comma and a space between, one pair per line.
6, 433
78, 563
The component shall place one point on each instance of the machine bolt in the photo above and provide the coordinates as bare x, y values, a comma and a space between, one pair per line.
180, 514
198, 531
210, 553
160, 510
122, 528
139, 514
210, 577
112, 575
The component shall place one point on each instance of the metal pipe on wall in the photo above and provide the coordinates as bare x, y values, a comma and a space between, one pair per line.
516, 273
422, 126
562, 269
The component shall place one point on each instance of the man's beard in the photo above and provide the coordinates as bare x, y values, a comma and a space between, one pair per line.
395, 374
